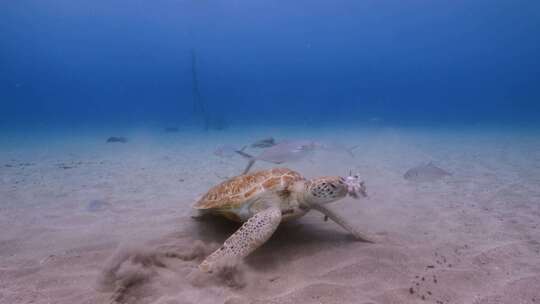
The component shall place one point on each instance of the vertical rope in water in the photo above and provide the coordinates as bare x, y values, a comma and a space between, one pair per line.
199, 106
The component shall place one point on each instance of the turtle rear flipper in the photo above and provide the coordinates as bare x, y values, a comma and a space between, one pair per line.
250, 236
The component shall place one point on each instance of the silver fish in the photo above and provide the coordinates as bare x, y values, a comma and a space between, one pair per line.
264, 143
285, 151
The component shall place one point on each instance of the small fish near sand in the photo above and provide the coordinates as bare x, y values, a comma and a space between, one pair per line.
264, 143
117, 139
97, 205
425, 173
285, 151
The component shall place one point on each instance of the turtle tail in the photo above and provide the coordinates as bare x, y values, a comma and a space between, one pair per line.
251, 159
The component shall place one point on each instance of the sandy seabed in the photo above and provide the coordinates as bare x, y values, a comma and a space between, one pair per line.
83, 221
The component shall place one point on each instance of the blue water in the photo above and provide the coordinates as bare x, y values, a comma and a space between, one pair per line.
66, 62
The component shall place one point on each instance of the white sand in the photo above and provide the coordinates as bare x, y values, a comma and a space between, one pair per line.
473, 237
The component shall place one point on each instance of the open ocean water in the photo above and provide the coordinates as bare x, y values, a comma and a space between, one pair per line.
90, 63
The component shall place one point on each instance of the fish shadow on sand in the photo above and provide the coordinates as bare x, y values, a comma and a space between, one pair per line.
425, 173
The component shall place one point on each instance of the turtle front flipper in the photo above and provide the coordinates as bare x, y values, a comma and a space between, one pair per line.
342, 222
246, 239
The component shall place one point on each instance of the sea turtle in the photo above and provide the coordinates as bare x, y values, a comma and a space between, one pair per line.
263, 199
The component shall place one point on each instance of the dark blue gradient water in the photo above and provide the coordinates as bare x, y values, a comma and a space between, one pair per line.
70, 62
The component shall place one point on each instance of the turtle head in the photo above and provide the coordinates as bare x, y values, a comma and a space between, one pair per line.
329, 189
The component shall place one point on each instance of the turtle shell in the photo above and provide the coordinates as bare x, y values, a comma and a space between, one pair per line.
238, 190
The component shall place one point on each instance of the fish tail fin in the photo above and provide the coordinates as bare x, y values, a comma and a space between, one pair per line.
244, 154
251, 159
249, 165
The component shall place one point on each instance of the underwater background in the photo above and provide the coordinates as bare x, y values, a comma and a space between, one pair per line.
117, 117
71, 63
